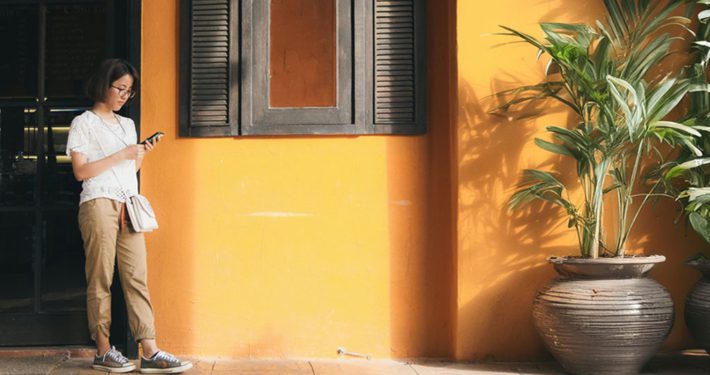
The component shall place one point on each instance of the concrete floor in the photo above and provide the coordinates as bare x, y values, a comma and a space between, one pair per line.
54, 363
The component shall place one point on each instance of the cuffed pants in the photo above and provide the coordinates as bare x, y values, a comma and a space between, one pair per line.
104, 243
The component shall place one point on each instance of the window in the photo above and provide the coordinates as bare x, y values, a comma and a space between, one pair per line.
274, 67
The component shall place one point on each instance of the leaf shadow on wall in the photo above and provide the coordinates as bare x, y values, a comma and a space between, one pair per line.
655, 232
503, 254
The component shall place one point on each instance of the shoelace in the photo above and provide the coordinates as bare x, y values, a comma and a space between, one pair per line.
115, 356
167, 357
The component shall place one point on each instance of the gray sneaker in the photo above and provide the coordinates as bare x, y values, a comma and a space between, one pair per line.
163, 363
113, 361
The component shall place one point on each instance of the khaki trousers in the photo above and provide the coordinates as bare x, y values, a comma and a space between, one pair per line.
104, 243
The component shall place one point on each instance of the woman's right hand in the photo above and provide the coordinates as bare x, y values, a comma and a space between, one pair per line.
83, 169
132, 152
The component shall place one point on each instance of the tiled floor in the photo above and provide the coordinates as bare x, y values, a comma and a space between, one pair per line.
61, 364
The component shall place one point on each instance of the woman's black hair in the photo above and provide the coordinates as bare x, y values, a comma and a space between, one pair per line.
105, 74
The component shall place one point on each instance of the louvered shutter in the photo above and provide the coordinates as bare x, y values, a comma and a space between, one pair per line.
399, 73
209, 85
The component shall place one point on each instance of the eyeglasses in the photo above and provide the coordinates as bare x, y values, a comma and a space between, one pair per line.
125, 92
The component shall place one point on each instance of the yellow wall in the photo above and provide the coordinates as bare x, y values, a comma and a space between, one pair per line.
295, 246
501, 258
392, 246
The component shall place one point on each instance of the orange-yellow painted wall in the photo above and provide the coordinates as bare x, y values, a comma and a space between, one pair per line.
295, 246
501, 258
392, 246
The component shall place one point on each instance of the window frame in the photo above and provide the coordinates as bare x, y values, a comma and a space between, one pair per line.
354, 113
258, 117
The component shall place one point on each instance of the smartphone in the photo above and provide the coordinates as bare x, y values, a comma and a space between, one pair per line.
153, 137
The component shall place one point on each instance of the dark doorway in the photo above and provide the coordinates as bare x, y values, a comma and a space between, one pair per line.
48, 47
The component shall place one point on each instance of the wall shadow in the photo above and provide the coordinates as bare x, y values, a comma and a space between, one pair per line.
504, 252
421, 234
501, 255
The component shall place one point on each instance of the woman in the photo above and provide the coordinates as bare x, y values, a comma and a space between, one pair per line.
105, 156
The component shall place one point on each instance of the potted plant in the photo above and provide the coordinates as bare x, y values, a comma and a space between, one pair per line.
694, 192
603, 315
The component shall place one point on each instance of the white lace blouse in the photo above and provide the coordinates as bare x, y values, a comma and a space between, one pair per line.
96, 138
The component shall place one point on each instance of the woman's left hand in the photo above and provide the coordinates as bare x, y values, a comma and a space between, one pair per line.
150, 145
147, 147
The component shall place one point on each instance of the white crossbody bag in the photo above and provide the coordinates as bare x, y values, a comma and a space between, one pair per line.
140, 212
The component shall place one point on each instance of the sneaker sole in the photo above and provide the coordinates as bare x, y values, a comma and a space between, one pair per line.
114, 369
171, 370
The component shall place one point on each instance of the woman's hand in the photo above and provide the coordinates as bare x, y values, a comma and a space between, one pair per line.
83, 169
132, 152
149, 146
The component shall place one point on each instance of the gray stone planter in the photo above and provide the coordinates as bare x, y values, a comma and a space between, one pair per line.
697, 305
603, 316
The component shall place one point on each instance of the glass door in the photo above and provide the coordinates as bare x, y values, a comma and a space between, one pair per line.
48, 48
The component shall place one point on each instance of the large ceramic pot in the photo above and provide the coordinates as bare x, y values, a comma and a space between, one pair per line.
697, 305
603, 316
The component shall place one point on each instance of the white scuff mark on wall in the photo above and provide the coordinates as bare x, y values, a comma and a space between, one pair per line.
403, 202
279, 214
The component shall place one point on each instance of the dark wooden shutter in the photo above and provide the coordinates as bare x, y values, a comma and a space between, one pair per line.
399, 72
209, 85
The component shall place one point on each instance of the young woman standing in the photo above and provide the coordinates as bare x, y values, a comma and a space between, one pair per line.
106, 157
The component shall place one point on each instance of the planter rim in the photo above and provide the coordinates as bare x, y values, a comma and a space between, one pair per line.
700, 264
650, 259
697, 262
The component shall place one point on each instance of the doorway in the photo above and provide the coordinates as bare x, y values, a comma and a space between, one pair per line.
48, 49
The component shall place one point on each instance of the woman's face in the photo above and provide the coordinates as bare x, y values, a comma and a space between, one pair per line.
119, 92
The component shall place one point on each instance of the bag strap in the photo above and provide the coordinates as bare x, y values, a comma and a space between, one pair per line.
124, 191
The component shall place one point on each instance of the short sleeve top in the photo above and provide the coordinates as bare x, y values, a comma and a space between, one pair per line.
90, 135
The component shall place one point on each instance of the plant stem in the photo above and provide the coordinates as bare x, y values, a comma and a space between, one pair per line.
627, 198
638, 211
603, 168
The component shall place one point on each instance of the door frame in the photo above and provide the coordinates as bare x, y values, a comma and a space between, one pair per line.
120, 332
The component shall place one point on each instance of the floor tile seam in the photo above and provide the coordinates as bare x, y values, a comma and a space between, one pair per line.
409, 364
58, 364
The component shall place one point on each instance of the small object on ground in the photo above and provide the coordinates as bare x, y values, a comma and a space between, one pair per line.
342, 352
